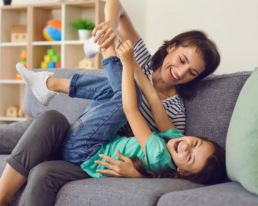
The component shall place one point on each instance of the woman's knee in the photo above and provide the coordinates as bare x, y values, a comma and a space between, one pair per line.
54, 117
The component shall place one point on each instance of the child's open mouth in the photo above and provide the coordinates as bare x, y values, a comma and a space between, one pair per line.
176, 145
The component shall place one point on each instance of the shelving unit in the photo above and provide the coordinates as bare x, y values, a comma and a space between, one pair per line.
70, 48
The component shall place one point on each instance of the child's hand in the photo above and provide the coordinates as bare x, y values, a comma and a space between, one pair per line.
107, 34
125, 51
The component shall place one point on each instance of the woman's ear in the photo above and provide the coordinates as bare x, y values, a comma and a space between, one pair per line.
171, 48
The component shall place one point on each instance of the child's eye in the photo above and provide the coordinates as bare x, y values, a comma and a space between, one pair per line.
190, 156
195, 144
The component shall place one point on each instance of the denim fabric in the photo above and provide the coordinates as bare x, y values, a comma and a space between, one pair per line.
104, 116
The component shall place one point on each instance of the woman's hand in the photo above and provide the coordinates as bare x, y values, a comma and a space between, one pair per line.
107, 34
117, 168
125, 52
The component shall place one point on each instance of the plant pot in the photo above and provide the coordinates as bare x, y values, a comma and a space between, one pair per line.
84, 34
7, 2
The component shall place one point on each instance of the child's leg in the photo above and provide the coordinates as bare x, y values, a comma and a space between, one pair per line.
44, 87
98, 125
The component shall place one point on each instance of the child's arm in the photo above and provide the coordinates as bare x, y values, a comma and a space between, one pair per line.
159, 113
137, 122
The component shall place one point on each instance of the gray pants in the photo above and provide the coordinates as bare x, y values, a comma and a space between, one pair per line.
39, 143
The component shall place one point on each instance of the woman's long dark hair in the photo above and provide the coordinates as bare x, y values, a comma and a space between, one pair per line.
213, 171
196, 39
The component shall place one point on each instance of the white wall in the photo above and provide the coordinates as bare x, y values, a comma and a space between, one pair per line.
232, 24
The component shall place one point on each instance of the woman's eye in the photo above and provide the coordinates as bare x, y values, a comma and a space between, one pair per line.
190, 156
181, 60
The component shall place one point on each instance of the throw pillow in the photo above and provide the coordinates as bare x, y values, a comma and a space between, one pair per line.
242, 137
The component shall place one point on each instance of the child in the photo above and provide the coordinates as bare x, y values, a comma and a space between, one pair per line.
190, 155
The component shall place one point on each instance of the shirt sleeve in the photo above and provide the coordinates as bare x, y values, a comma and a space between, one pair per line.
142, 55
157, 156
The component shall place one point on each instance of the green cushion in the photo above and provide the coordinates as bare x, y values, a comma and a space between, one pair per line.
242, 137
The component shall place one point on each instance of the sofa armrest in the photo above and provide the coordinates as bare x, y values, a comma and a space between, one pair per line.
10, 134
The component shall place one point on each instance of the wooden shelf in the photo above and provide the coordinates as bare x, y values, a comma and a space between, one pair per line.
42, 43
13, 44
12, 119
12, 82
35, 16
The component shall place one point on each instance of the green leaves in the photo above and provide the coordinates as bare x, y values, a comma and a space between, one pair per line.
83, 24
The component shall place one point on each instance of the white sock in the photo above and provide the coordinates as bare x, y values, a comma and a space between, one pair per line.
91, 49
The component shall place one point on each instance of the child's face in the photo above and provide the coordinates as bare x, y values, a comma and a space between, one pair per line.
190, 153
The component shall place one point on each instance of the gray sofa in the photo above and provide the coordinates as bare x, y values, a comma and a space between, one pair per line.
208, 115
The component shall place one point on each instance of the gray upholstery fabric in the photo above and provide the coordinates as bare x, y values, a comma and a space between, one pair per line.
119, 191
209, 113
227, 194
10, 134
72, 108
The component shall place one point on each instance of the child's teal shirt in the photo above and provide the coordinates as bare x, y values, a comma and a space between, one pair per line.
157, 156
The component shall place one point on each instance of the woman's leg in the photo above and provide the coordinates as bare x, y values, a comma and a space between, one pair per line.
46, 179
41, 140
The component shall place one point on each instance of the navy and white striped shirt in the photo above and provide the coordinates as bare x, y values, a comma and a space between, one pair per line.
174, 106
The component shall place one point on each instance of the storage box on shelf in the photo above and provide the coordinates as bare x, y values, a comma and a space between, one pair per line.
70, 48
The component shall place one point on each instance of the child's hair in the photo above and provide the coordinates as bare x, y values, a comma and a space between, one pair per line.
213, 171
196, 39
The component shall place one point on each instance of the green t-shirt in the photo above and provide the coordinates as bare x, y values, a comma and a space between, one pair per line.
157, 156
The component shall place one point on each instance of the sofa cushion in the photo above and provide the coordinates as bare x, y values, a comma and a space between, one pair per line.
242, 138
209, 113
10, 134
72, 108
119, 191
226, 194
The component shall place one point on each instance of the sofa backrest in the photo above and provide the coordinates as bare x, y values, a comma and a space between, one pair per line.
209, 113
72, 108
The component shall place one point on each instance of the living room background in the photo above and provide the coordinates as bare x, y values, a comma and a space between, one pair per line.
232, 24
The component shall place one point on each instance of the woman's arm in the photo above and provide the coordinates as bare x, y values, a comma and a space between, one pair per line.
159, 113
116, 21
137, 122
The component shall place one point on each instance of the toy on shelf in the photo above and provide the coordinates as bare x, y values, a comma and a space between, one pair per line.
84, 64
51, 60
52, 30
15, 111
19, 33
12, 111
23, 60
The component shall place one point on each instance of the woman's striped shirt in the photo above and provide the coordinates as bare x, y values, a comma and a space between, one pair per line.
174, 105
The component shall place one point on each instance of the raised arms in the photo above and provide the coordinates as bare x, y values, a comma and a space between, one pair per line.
137, 122
116, 21
159, 113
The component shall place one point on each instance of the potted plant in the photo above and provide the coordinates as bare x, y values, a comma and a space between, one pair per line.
84, 28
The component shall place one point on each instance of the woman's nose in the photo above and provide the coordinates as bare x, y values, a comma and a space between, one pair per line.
182, 71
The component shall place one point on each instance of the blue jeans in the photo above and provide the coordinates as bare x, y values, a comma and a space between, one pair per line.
103, 117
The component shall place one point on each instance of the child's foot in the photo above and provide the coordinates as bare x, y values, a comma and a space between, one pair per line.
91, 49
37, 81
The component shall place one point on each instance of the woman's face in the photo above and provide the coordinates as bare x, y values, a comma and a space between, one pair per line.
190, 153
181, 65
